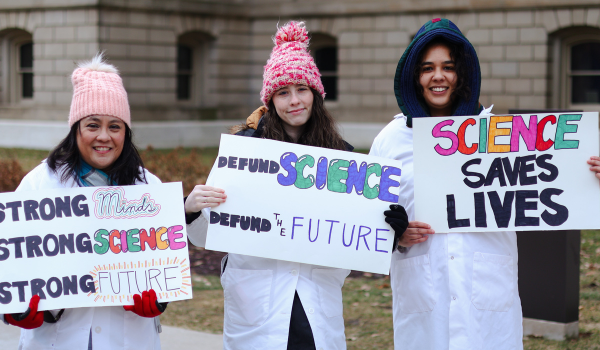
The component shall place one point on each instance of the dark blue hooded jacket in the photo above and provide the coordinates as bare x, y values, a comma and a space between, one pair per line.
404, 80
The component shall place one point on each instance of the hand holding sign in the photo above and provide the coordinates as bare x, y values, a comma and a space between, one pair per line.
202, 197
594, 161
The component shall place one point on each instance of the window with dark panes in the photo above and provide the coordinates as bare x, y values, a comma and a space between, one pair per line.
326, 61
26, 69
184, 72
584, 73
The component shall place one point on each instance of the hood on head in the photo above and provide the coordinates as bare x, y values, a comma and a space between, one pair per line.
404, 79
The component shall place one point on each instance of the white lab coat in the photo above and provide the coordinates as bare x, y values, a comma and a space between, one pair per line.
259, 294
455, 290
112, 327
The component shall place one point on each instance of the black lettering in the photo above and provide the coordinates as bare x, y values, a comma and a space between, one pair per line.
66, 243
14, 206
154, 277
232, 164
273, 167
502, 210
265, 226
255, 224
496, 171
37, 285
222, 162
32, 244
465, 167
245, 222
214, 217
451, 211
525, 168
83, 243
253, 166
70, 285
480, 214
234, 220
47, 202
17, 242
21, 288
30, 210
243, 163
4, 252
562, 212
86, 284
522, 204
59, 287
47, 250
5, 295
224, 219
512, 173
2, 214
542, 162
63, 206
263, 167
80, 210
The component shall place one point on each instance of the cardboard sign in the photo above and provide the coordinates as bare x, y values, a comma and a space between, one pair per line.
92, 246
507, 173
303, 204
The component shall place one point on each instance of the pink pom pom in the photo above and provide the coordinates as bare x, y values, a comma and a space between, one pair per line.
292, 31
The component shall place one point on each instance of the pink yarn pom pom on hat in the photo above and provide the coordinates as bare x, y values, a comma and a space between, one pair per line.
290, 63
98, 90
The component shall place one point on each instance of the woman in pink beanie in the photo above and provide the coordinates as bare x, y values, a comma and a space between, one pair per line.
98, 151
274, 304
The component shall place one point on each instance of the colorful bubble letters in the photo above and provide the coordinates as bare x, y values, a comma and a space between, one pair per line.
507, 172
304, 204
86, 247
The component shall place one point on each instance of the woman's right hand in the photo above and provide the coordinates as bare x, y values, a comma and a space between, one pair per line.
417, 232
30, 319
203, 196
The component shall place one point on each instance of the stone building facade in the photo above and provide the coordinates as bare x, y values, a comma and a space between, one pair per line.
203, 59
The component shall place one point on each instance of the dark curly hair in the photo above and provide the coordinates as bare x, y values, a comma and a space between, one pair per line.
459, 56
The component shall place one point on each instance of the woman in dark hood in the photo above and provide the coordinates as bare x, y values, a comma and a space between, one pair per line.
451, 290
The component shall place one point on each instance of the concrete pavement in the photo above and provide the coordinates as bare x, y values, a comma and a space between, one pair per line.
171, 338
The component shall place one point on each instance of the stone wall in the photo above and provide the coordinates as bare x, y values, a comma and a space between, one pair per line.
513, 46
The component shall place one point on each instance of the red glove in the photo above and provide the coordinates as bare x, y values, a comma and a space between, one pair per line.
30, 319
146, 305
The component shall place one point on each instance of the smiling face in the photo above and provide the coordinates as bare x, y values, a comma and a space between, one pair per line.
293, 104
438, 79
100, 140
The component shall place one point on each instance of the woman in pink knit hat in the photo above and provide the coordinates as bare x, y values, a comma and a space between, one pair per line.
98, 151
274, 304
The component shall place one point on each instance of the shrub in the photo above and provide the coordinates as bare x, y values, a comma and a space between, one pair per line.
11, 174
176, 165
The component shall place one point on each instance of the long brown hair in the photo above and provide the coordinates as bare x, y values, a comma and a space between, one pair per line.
320, 129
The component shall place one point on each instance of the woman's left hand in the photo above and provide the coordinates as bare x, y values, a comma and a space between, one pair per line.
595, 165
146, 305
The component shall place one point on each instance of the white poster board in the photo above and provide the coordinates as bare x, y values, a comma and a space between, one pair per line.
303, 204
92, 246
507, 173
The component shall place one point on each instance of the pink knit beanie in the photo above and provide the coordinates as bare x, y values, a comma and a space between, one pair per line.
98, 90
290, 62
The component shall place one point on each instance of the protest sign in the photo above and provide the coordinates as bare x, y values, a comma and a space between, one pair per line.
507, 173
92, 246
303, 204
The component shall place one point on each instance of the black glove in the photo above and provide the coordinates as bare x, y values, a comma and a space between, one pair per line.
398, 219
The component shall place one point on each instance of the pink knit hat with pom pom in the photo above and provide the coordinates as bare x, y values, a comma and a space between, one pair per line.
98, 90
290, 62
